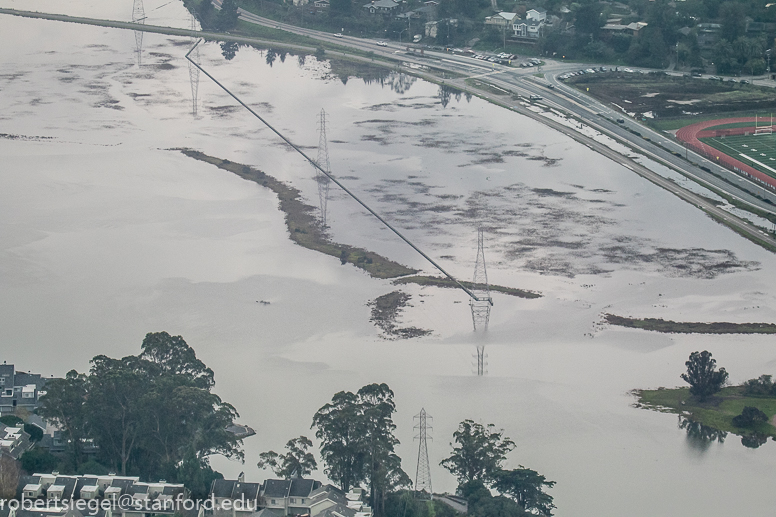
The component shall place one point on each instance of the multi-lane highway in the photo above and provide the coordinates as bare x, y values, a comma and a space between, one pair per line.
660, 147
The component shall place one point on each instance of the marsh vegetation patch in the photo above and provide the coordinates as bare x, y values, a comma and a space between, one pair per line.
386, 310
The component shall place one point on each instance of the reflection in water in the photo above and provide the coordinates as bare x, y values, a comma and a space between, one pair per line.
699, 436
446, 92
271, 56
480, 307
138, 16
193, 70
396, 81
754, 441
229, 50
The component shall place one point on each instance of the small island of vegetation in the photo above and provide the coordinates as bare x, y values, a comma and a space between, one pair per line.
747, 410
689, 327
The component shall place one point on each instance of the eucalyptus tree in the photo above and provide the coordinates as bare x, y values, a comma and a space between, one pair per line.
297, 461
358, 444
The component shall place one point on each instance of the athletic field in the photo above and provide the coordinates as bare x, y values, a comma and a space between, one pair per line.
735, 144
758, 151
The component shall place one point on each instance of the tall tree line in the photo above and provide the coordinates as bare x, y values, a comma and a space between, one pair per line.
152, 415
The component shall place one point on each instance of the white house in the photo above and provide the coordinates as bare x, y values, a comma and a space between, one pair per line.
528, 29
535, 15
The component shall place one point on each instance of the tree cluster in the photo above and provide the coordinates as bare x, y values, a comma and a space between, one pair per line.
152, 415
477, 462
357, 442
296, 462
763, 386
702, 376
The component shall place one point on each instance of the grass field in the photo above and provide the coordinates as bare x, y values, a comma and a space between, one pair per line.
717, 412
759, 151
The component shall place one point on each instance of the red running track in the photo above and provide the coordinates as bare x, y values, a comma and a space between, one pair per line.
690, 134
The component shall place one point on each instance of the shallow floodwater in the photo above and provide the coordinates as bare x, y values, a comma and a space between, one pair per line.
106, 234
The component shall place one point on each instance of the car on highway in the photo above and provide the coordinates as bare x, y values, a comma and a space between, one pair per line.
381, 44
535, 97
338, 35
621, 121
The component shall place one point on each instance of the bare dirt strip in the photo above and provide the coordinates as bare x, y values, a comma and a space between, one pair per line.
690, 135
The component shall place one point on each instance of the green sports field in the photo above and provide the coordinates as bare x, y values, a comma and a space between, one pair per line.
758, 151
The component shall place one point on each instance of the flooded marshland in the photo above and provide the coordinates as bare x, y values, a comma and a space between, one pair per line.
107, 233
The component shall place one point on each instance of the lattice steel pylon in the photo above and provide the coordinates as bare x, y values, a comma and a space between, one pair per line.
423, 473
138, 16
194, 71
323, 162
481, 307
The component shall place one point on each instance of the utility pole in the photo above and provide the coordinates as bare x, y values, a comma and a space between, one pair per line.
423, 473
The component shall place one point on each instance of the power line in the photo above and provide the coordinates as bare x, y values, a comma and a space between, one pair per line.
337, 182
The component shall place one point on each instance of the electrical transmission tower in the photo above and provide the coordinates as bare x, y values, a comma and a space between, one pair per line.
481, 306
138, 16
423, 473
194, 71
323, 162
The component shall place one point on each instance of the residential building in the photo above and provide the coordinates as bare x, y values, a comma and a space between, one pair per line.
528, 29
286, 497
533, 14
708, 34
632, 28
330, 501
19, 389
235, 497
502, 19
381, 6
128, 497
14, 441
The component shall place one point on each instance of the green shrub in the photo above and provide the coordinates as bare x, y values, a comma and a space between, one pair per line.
750, 417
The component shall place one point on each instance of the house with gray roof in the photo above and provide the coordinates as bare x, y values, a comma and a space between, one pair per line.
280, 497
235, 498
330, 501
381, 6
19, 389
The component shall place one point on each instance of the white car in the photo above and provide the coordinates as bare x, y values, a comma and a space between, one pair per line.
382, 44
338, 35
